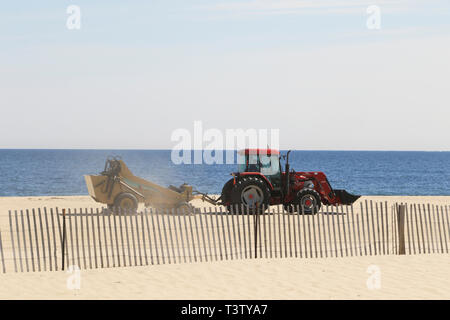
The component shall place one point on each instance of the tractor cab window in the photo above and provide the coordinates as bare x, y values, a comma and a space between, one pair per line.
270, 165
248, 163
267, 165
253, 164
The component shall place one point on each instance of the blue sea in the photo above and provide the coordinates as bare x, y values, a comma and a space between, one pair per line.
60, 172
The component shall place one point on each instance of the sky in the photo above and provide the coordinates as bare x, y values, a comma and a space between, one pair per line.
137, 71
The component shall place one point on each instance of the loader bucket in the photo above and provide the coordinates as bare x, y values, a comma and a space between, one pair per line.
345, 197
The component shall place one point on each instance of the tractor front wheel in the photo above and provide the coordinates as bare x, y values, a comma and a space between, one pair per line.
307, 201
250, 194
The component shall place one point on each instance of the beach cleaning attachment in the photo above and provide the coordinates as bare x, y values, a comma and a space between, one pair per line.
117, 187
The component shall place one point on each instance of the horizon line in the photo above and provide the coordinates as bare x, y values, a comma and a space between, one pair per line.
157, 149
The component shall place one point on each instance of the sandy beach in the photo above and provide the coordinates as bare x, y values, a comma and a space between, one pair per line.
224, 150
425, 276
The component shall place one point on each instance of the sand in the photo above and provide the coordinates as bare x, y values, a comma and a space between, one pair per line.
395, 277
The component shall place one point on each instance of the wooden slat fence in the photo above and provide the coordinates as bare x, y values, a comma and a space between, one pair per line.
53, 239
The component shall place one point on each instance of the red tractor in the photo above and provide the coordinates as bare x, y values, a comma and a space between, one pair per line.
260, 182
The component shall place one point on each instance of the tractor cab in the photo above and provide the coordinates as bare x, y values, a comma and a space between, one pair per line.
263, 161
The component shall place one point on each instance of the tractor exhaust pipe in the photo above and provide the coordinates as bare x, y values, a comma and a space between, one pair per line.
286, 177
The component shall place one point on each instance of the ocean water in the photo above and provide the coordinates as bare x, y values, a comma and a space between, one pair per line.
60, 172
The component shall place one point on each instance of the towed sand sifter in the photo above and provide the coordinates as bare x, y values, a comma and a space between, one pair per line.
117, 187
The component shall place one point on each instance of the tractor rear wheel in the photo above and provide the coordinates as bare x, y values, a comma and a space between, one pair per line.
307, 201
126, 202
250, 194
